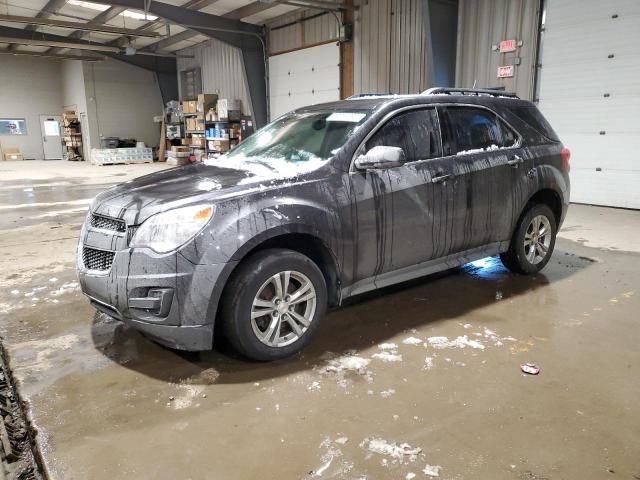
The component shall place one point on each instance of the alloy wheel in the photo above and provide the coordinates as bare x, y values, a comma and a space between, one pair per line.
283, 308
537, 239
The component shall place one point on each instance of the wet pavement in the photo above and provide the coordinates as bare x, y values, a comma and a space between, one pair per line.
420, 379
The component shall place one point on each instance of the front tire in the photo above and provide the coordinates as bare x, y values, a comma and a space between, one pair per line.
273, 304
533, 241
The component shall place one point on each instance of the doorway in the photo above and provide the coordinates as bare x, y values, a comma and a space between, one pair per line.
51, 128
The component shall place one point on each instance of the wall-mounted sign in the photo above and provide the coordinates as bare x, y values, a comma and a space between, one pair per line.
506, 71
507, 46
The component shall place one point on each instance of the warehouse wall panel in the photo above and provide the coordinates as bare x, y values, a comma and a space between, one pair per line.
391, 47
30, 87
483, 24
121, 101
318, 28
222, 69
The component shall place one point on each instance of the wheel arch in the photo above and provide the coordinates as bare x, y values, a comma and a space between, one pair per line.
548, 197
294, 238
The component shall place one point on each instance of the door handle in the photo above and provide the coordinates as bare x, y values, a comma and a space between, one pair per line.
515, 161
441, 178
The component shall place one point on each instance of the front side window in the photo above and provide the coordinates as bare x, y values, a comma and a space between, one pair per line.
470, 130
415, 131
300, 137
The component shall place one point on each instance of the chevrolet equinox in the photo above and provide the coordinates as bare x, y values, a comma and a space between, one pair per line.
325, 202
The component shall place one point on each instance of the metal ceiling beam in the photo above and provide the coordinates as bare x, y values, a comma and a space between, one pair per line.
51, 7
168, 41
54, 56
190, 5
195, 19
317, 4
96, 47
102, 17
245, 36
236, 14
89, 26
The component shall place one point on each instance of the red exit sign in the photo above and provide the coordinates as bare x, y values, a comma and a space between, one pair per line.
507, 46
506, 71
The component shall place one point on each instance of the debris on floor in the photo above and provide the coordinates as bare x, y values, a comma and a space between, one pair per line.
398, 453
17, 450
530, 368
432, 470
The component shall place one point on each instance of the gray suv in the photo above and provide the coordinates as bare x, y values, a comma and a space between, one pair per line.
326, 202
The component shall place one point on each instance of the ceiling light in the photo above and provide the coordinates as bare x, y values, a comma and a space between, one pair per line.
89, 5
136, 15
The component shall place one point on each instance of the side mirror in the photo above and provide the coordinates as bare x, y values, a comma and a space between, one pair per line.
381, 157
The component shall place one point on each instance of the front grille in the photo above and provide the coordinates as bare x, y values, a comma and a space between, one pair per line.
94, 259
108, 223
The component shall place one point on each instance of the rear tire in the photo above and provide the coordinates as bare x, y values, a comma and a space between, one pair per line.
533, 241
273, 304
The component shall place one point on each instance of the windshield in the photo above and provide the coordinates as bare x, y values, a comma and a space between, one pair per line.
298, 138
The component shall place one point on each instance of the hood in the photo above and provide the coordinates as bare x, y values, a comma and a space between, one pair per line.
138, 199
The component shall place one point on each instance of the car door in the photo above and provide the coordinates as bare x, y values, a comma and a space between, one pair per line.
488, 162
403, 213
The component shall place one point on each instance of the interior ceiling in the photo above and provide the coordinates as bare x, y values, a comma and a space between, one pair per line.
84, 11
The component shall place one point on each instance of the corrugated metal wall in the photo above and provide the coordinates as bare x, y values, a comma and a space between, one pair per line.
320, 28
390, 47
483, 24
222, 70
389, 43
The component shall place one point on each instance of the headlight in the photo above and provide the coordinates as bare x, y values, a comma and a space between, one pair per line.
165, 232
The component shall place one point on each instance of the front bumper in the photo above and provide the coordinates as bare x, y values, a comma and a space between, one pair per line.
185, 323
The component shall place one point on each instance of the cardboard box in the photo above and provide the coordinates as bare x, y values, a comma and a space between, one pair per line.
178, 151
211, 115
186, 141
13, 154
199, 124
197, 141
189, 106
225, 106
219, 145
191, 124
206, 101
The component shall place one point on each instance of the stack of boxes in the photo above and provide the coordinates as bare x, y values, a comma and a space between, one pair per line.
72, 136
179, 155
212, 125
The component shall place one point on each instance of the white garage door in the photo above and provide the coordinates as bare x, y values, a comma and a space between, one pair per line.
304, 77
590, 92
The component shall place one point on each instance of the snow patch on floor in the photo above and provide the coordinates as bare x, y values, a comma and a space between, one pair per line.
387, 357
399, 453
432, 470
461, 342
347, 364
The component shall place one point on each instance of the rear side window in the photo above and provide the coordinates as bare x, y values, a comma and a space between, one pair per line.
469, 129
416, 132
534, 118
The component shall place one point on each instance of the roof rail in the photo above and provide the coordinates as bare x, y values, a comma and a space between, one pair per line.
367, 95
469, 91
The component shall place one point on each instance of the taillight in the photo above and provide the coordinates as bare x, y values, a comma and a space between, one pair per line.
566, 155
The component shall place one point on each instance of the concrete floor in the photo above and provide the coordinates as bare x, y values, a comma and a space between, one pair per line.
107, 403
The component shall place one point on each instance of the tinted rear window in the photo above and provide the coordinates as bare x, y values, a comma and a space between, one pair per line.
469, 129
535, 119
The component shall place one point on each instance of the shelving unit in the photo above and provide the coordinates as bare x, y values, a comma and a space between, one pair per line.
230, 139
72, 137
